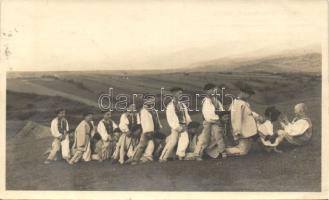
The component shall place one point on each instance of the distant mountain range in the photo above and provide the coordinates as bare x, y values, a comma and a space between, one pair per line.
309, 62
305, 62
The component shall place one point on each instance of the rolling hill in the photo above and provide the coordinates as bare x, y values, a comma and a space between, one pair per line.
302, 63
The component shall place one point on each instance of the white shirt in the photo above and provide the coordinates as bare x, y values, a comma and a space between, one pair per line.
297, 127
101, 129
172, 117
147, 120
54, 128
124, 122
265, 128
242, 119
208, 109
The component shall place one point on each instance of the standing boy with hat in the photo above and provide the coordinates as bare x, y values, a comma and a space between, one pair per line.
178, 118
59, 130
211, 139
243, 122
151, 125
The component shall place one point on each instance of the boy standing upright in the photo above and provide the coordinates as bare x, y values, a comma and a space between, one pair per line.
151, 125
211, 139
178, 118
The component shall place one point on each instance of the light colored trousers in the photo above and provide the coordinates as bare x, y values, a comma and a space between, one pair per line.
241, 149
183, 143
57, 145
103, 150
145, 141
124, 148
171, 142
210, 140
290, 139
85, 154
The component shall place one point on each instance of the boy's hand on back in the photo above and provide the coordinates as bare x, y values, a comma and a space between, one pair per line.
259, 119
225, 118
180, 129
284, 119
128, 133
237, 135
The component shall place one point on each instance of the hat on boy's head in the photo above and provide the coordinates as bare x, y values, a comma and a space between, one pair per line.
222, 86
131, 107
87, 113
175, 89
105, 111
58, 110
209, 86
193, 125
149, 99
272, 113
243, 87
149, 102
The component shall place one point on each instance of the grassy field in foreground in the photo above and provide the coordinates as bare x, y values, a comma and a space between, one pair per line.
297, 169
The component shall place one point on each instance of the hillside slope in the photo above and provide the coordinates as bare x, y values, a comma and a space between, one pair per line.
307, 63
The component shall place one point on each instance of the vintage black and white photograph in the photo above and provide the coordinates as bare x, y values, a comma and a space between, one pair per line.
165, 96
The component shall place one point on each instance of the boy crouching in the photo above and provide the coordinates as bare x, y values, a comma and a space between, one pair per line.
59, 129
129, 139
268, 136
83, 133
105, 139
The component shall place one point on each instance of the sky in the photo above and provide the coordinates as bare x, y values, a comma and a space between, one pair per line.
117, 35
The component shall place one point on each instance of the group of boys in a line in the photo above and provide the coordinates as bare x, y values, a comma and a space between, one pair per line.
138, 138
